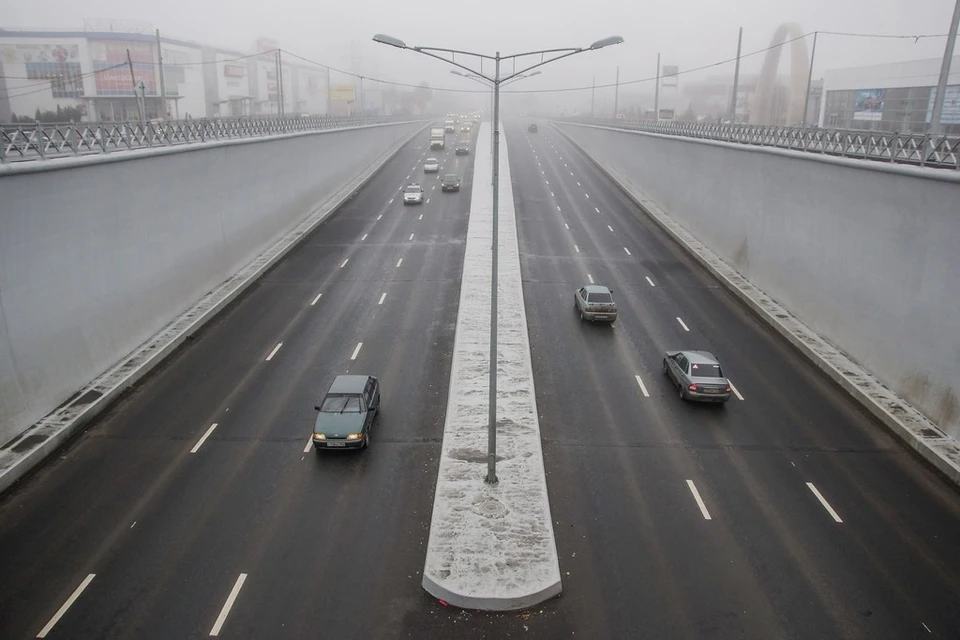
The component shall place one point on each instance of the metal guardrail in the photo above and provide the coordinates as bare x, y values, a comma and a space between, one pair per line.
31, 142
916, 149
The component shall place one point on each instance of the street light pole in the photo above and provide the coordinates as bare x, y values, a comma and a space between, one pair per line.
496, 81
944, 72
813, 53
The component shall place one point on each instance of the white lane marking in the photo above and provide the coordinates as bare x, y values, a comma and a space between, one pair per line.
611, 228
650, 281
543, 172
411, 236
345, 263
683, 324
274, 352
642, 388
364, 237
382, 296
558, 208
548, 182
399, 262
734, 389
596, 209
356, 351
408, 175
826, 505
203, 439
696, 495
315, 299
134, 524
428, 200
433, 188
66, 605
926, 627
571, 173
551, 195
567, 226
215, 631
590, 278
577, 248
391, 202
578, 184
306, 449
421, 217
628, 251
381, 215
588, 195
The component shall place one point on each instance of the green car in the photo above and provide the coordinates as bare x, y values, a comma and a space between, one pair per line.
347, 413
450, 182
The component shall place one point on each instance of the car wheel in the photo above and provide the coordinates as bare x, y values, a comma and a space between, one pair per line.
366, 441
683, 394
581, 316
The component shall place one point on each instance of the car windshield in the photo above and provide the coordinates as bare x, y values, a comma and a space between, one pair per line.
412, 190
704, 370
451, 177
431, 161
600, 297
341, 404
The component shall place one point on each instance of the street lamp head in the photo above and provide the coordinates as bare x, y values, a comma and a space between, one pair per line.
531, 74
382, 38
606, 42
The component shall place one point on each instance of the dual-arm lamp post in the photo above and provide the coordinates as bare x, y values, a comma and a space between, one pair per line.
496, 81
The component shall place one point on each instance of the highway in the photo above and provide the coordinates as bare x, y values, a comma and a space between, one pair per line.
675, 520
788, 513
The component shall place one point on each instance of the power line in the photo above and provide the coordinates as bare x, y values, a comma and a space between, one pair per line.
46, 83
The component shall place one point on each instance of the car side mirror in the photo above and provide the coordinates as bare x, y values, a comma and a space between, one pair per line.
316, 407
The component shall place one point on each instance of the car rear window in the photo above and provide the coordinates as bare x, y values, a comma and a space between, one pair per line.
341, 404
451, 177
701, 370
600, 297
412, 190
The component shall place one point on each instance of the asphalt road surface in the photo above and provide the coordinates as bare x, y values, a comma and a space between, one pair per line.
787, 514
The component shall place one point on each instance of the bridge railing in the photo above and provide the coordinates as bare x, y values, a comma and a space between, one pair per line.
40, 141
917, 149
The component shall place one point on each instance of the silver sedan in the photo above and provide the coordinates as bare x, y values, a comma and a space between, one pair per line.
697, 375
595, 302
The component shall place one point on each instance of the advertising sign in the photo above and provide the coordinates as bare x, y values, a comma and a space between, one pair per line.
116, 81
343, 93
12, 53
951, 105
666, 114
234, 70
668, 76
869, 105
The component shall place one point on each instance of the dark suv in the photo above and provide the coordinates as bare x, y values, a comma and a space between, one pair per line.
532, 128
450, 182
347, 413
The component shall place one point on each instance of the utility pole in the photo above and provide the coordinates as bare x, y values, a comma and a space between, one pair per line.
163, 86
616, 94
279, 85
944, 72
806, 100
656, 95
593, 96
494, 281
133, 81
736, 80
361, 95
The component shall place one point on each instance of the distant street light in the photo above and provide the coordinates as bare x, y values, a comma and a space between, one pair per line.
496, 81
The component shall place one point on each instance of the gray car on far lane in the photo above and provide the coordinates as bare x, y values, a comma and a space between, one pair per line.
697, 375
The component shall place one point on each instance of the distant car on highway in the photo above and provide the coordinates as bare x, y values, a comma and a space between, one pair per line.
449, 126
450, 182
595, 302
463, 148
431, 165
347, 412
697, 375
413, 194
466, 128
532, 128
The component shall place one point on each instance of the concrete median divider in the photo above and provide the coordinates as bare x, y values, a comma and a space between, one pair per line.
108, 262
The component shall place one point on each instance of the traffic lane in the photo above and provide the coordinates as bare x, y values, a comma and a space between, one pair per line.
79, 526
885, 450
265, 416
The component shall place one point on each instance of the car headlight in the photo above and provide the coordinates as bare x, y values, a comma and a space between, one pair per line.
355, 436
319, 436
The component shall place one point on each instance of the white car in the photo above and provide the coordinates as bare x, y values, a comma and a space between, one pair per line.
431, 165
413, 194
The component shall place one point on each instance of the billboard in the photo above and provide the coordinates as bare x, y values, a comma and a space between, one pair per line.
343, 93
666, 114
869, 105
668, 76
951, 105
116, 81
58, 53
234, 70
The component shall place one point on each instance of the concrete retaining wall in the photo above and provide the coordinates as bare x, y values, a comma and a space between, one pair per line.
97, 254
867, 254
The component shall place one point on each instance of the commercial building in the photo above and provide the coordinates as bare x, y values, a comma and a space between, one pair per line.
92, 73
890, 97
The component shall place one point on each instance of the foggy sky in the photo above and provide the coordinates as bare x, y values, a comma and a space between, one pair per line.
688, 33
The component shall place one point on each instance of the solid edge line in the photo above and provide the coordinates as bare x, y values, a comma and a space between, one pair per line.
228, 605
924, 447
66, 606
157, 355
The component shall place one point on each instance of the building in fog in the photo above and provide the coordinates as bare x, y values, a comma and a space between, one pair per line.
890, 97
86, 75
